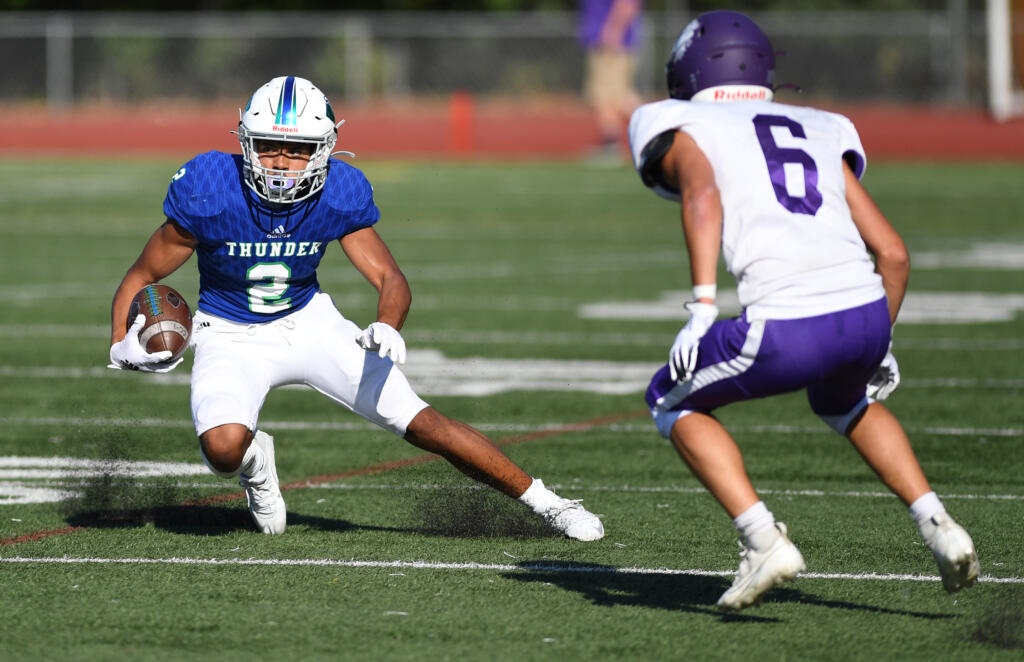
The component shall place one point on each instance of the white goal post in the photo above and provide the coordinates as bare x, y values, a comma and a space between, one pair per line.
1005, 27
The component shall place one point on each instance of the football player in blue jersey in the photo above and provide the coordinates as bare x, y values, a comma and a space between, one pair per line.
775, 190
259, 223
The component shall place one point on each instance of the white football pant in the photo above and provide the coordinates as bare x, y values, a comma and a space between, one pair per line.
236, 365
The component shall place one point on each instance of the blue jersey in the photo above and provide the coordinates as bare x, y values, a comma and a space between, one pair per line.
258, 261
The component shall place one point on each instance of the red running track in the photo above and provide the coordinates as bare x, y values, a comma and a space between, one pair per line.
460, 128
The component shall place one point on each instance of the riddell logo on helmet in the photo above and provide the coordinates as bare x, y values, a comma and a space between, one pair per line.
740, 95
285, 129
727, 93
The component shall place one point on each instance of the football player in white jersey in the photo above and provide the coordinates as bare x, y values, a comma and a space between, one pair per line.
259, 223
775, 189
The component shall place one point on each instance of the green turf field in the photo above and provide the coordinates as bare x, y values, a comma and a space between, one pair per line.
544, 296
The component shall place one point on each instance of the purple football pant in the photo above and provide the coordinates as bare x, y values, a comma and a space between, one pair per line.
833, 356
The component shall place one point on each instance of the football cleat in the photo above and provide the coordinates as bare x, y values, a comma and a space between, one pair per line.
954, 552
263, 492
760, 571
574, 521
565, 515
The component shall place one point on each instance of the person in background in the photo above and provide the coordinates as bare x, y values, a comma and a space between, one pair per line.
610, 35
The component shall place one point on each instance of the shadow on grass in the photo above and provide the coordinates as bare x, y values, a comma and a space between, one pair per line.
1001, 624
206, 520
780, 595
603, 586
606, 587
114, 498
468, 511
117, 501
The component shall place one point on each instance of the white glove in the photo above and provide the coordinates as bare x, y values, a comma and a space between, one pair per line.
129, 354
385, 339
682, 358
886, 378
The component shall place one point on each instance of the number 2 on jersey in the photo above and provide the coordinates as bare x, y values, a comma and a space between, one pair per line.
777, 157
267, 295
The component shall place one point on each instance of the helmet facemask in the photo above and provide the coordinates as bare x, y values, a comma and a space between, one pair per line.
287, 110
284, 186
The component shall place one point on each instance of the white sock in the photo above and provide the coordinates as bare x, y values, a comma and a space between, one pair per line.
254, 461
537, 497
757, 526
923, 509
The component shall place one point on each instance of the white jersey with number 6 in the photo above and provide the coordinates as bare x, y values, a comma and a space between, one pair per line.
787, 234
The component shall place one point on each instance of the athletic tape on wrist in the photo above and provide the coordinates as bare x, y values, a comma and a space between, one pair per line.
705, 292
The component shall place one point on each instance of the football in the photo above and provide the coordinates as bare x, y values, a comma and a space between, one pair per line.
168, 324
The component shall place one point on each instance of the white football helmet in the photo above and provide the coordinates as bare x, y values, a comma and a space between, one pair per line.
290, 109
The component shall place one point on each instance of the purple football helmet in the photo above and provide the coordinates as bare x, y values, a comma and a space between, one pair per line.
719, 48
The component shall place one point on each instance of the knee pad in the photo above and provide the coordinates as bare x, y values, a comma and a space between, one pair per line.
664, 419
840, 422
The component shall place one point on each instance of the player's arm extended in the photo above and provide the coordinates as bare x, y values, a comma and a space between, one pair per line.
168, 248
371, 257
892, 262
689, 171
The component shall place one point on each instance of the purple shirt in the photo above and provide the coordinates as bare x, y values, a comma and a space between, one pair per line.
594, 13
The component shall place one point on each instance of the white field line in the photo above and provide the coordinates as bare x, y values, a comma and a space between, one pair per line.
669, 490
959, 344
918, 307
496, 567
73, 465
526, 337
485, 427
8, 487
431, 373
85, 482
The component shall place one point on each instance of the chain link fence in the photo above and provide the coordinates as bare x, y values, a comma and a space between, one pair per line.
62, 59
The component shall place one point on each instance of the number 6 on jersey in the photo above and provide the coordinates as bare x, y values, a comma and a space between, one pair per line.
778, 158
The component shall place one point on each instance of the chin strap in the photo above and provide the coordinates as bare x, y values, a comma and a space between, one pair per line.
337, 129
789, 86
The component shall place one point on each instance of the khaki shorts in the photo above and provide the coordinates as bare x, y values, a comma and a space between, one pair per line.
609, 76
237, 364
